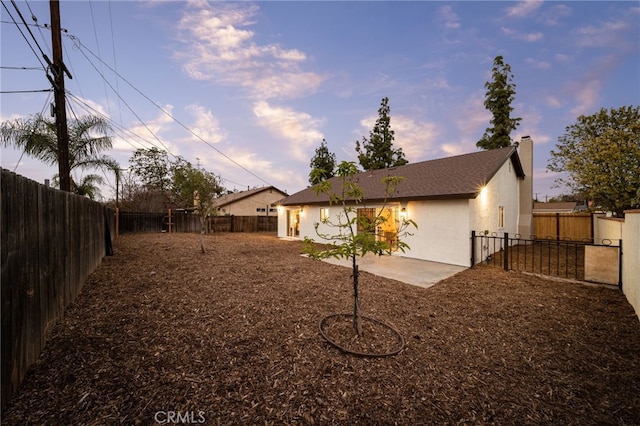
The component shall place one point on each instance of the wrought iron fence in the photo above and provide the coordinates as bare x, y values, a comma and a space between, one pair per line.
560, 258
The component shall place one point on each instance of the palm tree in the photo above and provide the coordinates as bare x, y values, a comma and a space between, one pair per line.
87, 187
37, 138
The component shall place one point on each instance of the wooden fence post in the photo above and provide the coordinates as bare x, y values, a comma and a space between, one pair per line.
117, 230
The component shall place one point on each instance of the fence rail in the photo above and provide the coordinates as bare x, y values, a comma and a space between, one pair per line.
181, 221
51, 241
577, 260
564, 226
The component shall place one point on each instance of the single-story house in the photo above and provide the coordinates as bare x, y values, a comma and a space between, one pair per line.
487, 191
252, 202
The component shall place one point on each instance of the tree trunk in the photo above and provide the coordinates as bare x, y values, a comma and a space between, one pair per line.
357, 325
202, 229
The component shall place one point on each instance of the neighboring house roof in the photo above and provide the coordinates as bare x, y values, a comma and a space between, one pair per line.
555, 207
460, 176
237, 196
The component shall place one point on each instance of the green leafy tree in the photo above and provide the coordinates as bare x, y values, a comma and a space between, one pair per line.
152, 167
151, 180
377, 152
601, 155
322, 164
355, 235
500, 94
197, 188
88, 137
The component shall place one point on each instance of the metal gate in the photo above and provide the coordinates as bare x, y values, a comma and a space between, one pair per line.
578, 260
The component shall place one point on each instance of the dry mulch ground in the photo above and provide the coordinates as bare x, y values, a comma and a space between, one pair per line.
162, 333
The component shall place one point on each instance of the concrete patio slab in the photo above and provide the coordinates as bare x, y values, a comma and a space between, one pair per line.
417, 272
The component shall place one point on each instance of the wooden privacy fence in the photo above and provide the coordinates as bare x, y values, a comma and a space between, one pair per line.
181, 221
563, 226
242, 224
51, 241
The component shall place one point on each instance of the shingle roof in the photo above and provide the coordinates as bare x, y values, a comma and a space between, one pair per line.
236, 196
552, 207
460, 176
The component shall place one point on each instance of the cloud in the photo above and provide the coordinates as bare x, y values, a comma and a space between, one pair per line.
152, 130
523, 8
417, 139
282, 177
530, 37
299, 130
553, 16
220, 46
553, 101
607, 34
587, 95
206, 125
450, 19
473, 119
563, 57
541, 65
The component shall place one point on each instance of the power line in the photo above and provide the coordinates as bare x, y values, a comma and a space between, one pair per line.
44, 67
95, 35
21, 68
82, 46
126, 132
34, 18
26, 91
127, 105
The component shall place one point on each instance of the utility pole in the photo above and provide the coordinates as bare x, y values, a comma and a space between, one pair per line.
64, 170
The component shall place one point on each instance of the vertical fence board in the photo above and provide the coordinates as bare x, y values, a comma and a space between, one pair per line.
50, 242
563, 226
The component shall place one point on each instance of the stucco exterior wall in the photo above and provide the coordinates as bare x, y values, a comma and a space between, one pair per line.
247, 206
503, 190
607, 228
631, 258
282, 222
443, 232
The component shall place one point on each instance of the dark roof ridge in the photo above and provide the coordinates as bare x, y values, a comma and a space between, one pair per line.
458, 176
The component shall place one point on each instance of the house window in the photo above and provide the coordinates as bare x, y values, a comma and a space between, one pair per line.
261, 210
324, 214
500, 216
272, 210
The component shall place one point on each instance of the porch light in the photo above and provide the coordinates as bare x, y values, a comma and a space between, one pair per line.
403, 212
301, 211
484, 196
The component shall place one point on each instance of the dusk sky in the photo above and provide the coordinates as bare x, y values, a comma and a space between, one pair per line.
248, 90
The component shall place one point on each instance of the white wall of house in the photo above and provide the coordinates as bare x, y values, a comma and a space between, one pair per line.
502, 191
282, 221
443, 232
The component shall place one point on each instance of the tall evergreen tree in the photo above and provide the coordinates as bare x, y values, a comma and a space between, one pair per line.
377, 152
322, 164
501, 92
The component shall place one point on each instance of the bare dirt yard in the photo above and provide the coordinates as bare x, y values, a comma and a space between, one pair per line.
162, 334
